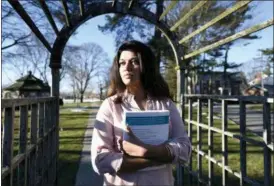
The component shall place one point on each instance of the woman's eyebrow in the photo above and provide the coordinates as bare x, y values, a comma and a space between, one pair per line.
129, 58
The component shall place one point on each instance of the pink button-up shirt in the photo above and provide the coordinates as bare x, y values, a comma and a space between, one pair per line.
106, 154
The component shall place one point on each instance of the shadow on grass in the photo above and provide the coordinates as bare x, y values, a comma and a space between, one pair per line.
67, 169
92, 107
85, 171
76, 128
81, 107
77, 116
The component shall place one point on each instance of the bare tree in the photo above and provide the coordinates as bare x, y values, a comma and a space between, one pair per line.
16, 65
32, 57
38, 57
103, 80
12, 31
84, 63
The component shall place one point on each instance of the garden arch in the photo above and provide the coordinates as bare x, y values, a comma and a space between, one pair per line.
46, 110
101, 8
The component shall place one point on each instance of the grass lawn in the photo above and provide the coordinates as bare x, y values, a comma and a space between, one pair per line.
254, 157
73, 126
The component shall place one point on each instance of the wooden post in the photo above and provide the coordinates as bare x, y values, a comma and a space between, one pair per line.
40, 147
190, 115
224, 142
8, 142
23, 166
210, 143
55, 92
242, 141
33, 141
54, 142
181, 89
46, 144
180, 99
267, 140
199, 140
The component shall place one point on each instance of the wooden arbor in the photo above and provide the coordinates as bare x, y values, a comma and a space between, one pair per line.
47, 174
87, 12
96, 8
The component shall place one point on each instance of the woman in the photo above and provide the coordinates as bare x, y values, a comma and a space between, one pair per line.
136, 84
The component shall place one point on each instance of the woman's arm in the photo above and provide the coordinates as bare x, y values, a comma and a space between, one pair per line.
177, 148
179, 144
132, 164
136, 148
105, 159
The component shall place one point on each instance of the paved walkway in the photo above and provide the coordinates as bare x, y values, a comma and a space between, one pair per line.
85, 175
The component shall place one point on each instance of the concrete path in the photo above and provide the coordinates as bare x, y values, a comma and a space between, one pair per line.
254, 118
85, 175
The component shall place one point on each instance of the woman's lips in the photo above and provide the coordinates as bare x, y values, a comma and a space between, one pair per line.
128, 75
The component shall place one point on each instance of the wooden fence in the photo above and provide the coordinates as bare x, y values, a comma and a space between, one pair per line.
199, 147
29, 148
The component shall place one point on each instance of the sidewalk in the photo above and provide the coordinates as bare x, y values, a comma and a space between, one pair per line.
85, 175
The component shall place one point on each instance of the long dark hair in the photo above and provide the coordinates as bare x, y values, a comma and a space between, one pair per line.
151, 79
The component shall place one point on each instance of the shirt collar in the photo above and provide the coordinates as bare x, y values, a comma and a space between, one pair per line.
129, 96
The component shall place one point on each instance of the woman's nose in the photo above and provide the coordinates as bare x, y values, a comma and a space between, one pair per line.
128, 65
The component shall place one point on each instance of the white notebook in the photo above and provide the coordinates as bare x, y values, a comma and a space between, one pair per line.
151, 127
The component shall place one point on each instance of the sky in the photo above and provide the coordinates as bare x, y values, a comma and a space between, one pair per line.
239, 53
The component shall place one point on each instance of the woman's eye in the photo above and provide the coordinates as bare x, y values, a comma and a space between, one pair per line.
122, 63
135, 62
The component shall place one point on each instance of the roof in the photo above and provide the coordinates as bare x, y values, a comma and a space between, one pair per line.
29, 83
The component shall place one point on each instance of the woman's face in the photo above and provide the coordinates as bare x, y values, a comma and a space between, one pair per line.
129, 68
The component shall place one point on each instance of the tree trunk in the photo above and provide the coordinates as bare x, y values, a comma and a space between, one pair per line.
81, 97
225, 68
74, 98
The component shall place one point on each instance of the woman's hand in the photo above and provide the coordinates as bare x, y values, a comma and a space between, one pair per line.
136, 148
133, 146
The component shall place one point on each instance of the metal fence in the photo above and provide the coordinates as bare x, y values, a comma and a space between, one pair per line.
29, 148
204, 149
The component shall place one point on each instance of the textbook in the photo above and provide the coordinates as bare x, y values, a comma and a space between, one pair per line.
151, 127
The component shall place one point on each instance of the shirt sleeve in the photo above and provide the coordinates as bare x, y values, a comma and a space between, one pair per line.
103, 156
178, 144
